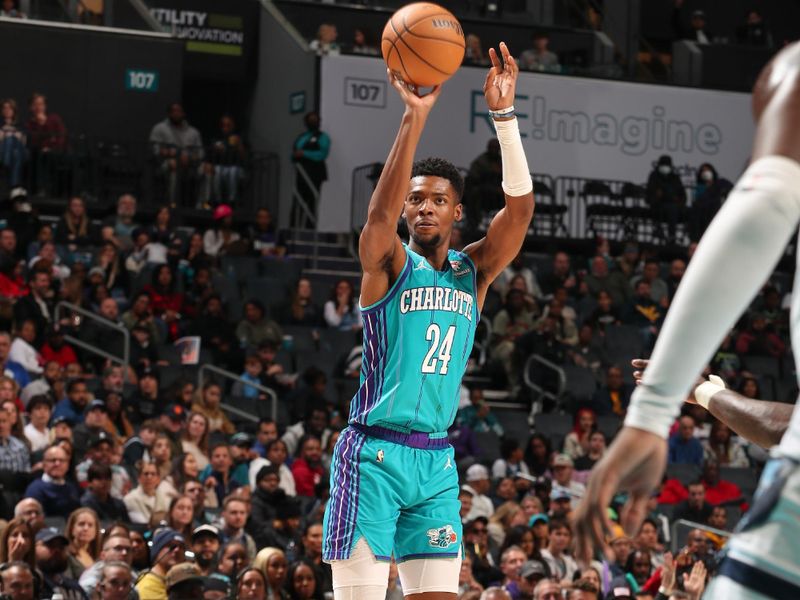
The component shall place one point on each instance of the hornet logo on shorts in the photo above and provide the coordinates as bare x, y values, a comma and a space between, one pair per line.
442, 537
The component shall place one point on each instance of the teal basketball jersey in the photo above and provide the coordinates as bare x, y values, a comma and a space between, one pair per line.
417, 340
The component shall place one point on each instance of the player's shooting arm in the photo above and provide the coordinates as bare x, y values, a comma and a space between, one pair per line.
508, 229
379, 245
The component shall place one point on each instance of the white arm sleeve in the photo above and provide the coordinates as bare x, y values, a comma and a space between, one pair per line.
734, 258
516, 173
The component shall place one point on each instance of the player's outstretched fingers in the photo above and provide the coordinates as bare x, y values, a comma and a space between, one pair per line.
589, 536
495, 60
508, 60
591, 518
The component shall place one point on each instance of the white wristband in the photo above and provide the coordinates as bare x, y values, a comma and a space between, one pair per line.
704, 391
516, 174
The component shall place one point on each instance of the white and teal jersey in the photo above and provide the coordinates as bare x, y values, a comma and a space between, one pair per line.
417, 340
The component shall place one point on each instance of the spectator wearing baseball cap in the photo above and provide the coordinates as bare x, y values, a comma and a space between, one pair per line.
563, 469
52, 561
530, 574
101, 451
621, 546
221, 235
185, 582
167, 549
206, 542
560, 504
95, 420
146, 403
478, 484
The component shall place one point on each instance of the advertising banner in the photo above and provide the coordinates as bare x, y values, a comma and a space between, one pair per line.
219, 35
570, 126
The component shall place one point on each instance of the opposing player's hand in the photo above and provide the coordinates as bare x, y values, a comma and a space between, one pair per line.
634, 463
411, 96
640, 364
501, 80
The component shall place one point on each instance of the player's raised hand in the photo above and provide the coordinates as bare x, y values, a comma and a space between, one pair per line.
501, 80
411, 96
634, 463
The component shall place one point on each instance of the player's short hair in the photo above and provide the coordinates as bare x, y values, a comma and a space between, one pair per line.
439, 167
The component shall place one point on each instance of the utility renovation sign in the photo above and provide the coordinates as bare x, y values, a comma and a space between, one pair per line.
210, 33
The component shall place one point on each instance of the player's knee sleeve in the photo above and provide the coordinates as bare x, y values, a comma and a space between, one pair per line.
429, 575
360, 592
360, 577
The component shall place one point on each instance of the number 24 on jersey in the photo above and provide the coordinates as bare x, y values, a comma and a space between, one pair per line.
440, 351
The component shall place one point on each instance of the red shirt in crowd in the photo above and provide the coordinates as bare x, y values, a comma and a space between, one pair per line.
63, 356
306, 477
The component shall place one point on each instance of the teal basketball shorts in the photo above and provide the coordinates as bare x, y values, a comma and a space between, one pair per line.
399, 491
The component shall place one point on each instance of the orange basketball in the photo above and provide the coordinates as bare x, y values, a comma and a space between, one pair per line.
423, 43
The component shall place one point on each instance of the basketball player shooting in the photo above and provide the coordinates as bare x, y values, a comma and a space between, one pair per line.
394, 485
735, 256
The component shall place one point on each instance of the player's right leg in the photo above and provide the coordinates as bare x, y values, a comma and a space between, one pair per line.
361, 515
360, 577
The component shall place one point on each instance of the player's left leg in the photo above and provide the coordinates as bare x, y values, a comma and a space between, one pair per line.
430, 578
428, 539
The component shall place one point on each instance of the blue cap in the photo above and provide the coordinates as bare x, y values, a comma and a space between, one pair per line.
162, 539
538, 517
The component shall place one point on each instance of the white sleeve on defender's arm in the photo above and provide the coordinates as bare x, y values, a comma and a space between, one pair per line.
734, 258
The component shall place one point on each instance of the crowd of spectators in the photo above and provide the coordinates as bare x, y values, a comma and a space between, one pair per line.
35, 156
109, 477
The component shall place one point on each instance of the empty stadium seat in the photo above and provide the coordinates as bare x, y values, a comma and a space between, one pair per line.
683, 473
581, 385
746, 478
609, 425
287, 269
489, 444
271, 292
240, 268
514, 423
623, 343
553, 424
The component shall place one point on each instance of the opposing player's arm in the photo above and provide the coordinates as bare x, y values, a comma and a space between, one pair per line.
508, 229
759, 421
380, 249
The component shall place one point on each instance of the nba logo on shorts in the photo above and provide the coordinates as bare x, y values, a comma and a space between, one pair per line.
379, 458
442, 537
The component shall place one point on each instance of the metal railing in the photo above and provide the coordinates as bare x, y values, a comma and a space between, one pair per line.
234, 377
102, 169
124, 360
301, 213
540, 392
